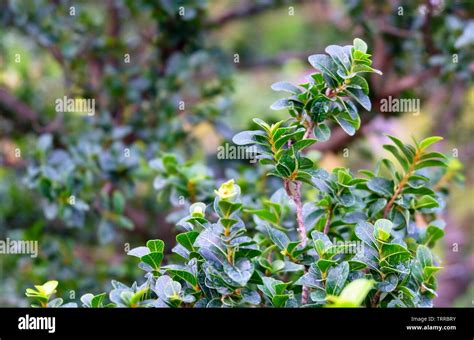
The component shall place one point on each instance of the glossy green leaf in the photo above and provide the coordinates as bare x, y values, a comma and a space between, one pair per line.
322, 132
336, 278
285, 86
187, 239
425, 143
153, 259
156, 245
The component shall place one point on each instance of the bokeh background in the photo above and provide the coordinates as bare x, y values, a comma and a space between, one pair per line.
182, 77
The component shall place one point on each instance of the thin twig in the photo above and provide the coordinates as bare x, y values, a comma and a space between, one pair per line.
328, 221
401, 185
247, 11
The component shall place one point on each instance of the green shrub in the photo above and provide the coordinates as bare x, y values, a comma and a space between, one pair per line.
322, 239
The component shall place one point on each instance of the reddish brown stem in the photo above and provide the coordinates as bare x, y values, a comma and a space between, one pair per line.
328, 221
304, 291
401, 185
293, 190
376, 299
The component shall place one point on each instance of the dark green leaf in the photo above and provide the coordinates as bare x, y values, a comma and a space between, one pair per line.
304, 143
322, 132
184, 275
409, 154
285, 86
336, 278
346, 125
426, 202
430, 163
278, 237
187, 239
153, 259
365, 232
380, 186
401, 159
156, 245
423, 255
246, 137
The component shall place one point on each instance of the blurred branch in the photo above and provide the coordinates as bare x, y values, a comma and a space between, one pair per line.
10, 102
113, 23
113, 31
426, 30
408, 82
244, 11
452, 109
276, 60
395, 31
25, 116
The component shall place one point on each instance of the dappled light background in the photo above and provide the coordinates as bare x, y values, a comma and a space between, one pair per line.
188, 88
